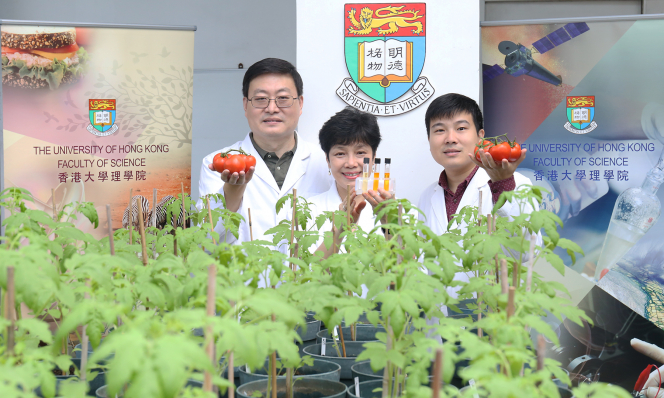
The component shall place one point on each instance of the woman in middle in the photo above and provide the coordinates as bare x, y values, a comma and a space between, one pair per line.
347, 138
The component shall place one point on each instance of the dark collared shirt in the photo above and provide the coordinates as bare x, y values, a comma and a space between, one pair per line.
452, 199
278, 166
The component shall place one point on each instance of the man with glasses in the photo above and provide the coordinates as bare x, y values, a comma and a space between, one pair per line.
272, 91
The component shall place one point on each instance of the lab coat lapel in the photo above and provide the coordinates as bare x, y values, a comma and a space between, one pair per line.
439, 209
261, 171
472, 196
297, 168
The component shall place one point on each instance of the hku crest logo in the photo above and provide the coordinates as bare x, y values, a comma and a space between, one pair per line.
580, 115
385, 46
102, 117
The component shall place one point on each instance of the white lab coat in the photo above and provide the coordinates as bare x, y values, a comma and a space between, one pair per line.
432, 204
308, 173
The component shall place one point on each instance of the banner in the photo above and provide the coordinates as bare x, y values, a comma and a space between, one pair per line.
391, 60
92, 112
587, 102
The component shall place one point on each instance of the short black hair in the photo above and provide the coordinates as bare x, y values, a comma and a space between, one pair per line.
452, 104
349, 126
271, 65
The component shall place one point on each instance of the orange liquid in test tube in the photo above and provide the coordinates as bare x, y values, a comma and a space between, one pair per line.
386, 175
376, 173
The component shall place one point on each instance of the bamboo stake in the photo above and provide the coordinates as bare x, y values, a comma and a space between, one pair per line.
437, 370
9, 314
504, 282
55, 211
111, 243
541, 352
210, 309
251, 232
184, 212
131, 216
515, 274
341, 337
480, 332
141, 230
207, 202
510, 302
292, 229
231, 375
84, 343
531, 262
479, 209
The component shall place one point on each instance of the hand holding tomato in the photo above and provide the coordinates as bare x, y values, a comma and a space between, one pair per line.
235, 169
499, 161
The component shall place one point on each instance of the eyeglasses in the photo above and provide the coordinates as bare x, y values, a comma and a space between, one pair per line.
264, 102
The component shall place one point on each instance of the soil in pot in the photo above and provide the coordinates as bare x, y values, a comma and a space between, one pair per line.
362, 333
302, 388
320, 369
101, 391
353, 349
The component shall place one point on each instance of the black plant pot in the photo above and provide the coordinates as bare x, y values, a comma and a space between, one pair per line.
353, 349
312, 327
101, 391
303, 388
323, 370
362, 333
94, 384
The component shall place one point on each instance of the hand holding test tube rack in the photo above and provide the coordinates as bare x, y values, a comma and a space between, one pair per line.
374, 181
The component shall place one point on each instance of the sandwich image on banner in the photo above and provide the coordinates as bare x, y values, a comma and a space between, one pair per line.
41, 56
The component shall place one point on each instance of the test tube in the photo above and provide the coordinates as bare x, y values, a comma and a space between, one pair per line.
376, 173
365, 174
386, 174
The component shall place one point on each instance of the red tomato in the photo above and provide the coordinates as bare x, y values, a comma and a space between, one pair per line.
515, 153
218, 163
249, 161
83, 36
485, 145
500, 152
235, 164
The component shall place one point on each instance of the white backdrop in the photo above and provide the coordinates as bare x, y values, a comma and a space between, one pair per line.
452, 65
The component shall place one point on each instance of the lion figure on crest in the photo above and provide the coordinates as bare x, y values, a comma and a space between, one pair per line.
390, 15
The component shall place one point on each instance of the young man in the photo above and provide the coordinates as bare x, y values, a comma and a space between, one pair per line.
273, 101
454, 126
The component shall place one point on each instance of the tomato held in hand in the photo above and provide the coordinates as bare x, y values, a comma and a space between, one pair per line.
219, 163
500, 152
515, 153
485, 145
235, 164
249, 161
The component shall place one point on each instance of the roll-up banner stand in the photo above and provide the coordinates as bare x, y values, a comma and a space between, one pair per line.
92, 111
586, 98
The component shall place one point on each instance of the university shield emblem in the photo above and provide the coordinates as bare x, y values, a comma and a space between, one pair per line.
102, 117
385, 47
580, 115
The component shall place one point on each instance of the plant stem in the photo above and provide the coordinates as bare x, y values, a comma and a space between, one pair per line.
289, 383
131, 216
515, 274
341, 337
10, 296
210, 309
273, 368
209, 210
293, 224
231, 375
504, 282
84, 341
541, 352
510, 302
111, 243
251, 231
531, 262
